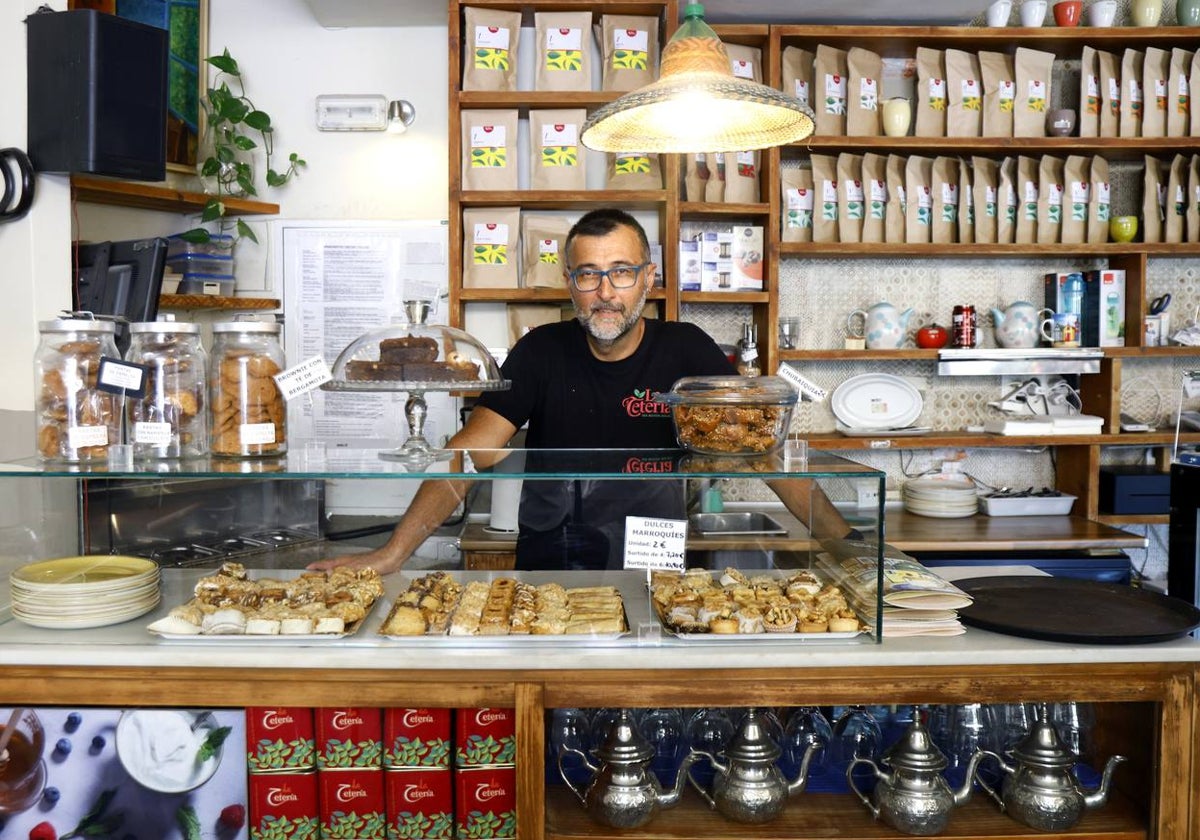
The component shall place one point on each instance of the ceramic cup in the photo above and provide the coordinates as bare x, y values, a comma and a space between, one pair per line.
998, 13
1187, 13
1122, 228
1145, 12
1062, 329
1033, 13
1068, 12
1060, 122
897, 116
1102, 13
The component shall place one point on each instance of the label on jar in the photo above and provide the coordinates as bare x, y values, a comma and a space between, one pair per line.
118, 377
154, 434
250, 434
302, 378
79, 437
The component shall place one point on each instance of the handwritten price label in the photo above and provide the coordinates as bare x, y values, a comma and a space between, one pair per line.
302, 378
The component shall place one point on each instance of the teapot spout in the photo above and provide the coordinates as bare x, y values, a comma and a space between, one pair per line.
1100, 795
904, 318
997, 317
963, 794
992, 792
798, 784
670, 798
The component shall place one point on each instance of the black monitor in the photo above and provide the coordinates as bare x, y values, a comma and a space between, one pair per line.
121, 279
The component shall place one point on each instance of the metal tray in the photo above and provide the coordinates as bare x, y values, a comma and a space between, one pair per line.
1061, 609
721, 524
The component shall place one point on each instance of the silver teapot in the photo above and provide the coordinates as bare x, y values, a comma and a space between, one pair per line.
747, 787
914, 797
623, 793
1040, 789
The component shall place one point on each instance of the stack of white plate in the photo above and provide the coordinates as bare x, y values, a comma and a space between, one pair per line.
91, 591
944, 498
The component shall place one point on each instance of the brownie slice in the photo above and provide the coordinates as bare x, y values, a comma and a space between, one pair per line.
406, 350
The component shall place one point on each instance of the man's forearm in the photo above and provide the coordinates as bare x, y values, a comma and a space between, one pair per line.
808, 503
434, 501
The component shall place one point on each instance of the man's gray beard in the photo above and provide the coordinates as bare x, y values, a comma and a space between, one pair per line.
607, 337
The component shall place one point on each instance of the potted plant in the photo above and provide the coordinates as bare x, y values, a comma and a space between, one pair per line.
234, 129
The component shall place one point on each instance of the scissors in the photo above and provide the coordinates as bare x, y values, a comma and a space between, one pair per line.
1160, 304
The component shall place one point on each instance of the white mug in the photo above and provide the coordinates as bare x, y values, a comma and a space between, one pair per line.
1061, 329
1102, 13
1033, 13
998, 13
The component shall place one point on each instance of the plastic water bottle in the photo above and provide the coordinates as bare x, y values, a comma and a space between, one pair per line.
1072, 300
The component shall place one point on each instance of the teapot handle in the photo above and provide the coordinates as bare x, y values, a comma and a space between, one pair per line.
562, 771
850, 331
985, 754
692, 779
850, 781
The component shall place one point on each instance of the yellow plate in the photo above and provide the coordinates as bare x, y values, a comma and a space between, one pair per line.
94, 568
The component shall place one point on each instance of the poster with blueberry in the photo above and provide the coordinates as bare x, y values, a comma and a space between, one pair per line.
133, 774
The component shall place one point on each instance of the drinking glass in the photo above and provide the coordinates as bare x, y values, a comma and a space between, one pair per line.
1074, 722
1013, 722
771, 725
568, 728
806, 725
971, 729
709, 730
603, 721
855, 735
663, 728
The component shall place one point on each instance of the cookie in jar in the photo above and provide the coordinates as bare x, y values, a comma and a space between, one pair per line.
170, 420
247, 413
76, 421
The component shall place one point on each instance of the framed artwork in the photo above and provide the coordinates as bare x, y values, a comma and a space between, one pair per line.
186, 21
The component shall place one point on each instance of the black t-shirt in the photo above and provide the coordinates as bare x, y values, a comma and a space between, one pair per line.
572, 400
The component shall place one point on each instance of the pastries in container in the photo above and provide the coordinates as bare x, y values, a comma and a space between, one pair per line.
731, 415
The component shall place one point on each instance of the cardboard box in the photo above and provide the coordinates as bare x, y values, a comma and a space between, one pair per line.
716, 276
748, 258
715, 245
689, 265
1102, 322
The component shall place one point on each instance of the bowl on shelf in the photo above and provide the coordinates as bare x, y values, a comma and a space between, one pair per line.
1068, 12
731, 415
1122, 228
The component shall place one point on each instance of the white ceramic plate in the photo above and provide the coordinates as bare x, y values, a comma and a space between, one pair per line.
876, 401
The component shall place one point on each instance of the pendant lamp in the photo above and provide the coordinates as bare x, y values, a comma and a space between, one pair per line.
697, 104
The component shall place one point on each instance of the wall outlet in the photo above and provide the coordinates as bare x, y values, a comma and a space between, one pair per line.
868, 496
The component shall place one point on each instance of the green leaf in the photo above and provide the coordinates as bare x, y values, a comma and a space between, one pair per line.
225, 63
258, 120
213, 210
247, 185
189, 823
274, 179
244, 143
244, 230
97, 811
197, 236
212, 743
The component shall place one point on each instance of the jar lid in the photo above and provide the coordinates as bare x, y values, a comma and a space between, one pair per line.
265, 327
77, 325
164, 328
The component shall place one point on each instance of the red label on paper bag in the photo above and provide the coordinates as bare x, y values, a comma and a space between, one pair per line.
349, 738
485, 802
352, 804
283, 805
484, 736
279, 738
420, 804
416, 737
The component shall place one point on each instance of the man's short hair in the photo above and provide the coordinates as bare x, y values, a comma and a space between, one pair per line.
603, 221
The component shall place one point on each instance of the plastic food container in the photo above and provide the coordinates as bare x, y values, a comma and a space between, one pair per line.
76, 419
218, 244
201, 264
731, 415
1027, 505
206, 284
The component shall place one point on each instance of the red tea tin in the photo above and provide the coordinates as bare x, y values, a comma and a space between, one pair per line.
352, 804
420, 804
485, 802
279, 738
416, 737
349, 738
484, 736
283, 805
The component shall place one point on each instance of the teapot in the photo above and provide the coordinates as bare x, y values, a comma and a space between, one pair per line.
883, 326
1018, 325
1040, 789
914, 797
623, 793
747, 787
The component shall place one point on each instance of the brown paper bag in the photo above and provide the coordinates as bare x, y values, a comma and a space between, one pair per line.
825, 187
918, 188
564, 51
964, 94
851, 197
966, 203
741, 177
1008, 206
1194, 84
1089, 94
1192, 217
629, 47
490, 40
798, 75
894, 223
1156, 73
931, 93
1110, 93
696, 175
490, 236
1154, 191
557, 160
1051, 189
633, 171
543, 251
1175, 225
745, 62
862, 100
1034, 70
999, 93
1099, 201
1027, 198
984, 193
1132, 96
1078, 186
830, 76
797, 218
523, 317
874, 178
945, 200
489, 143
714, 187
1179, 100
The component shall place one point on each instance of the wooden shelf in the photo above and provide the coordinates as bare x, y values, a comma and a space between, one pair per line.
144, 196
1112, 148
530, 295
725, 297
888, 250
910, 353
693, 210
564, 199
215, 302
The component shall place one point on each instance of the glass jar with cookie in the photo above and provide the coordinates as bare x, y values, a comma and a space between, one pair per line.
170, 420
247, 413
76, 421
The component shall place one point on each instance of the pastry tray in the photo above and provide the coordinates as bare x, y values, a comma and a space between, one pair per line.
266, 638
510, 640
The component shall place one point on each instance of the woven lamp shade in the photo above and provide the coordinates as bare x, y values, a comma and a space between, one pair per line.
697, 105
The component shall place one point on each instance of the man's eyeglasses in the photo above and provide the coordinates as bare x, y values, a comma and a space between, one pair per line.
621, 276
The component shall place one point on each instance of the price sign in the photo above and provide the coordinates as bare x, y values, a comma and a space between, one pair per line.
118, 377
302, 378
655, 543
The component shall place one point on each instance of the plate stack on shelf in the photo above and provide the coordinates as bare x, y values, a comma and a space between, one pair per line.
943, 498
71, 593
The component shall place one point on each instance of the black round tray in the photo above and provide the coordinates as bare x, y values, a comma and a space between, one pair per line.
1062, 609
